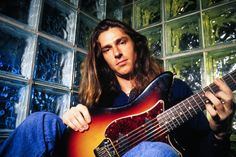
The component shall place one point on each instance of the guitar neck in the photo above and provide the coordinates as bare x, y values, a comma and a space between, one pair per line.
190, 107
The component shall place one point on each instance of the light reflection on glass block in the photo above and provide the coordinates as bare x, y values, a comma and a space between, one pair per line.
183, 35
73, 2
53, 63
220, 25
221, 62
177, 8
146, 13
59, 20
16, 48
85, 26
96, 8
208, 3
74, 99
188, 69
79, 57
154, 40
44, 99
12, 97
120, 10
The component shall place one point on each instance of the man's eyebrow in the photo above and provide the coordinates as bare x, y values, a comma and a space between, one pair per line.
121, 38
116, 41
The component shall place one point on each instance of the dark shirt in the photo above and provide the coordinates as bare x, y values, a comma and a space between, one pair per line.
194, 138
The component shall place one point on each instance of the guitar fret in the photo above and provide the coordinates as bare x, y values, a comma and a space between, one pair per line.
232, 79
191, 108
209, 87
182, 113
163, 122
167, 122
171, 121
215, 88
187, 110
201, 98
179, 115
196, 103
173, 118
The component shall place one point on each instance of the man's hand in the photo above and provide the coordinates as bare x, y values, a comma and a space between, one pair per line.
221, 110
77, 118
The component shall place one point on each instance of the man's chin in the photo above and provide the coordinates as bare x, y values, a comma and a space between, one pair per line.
124, 75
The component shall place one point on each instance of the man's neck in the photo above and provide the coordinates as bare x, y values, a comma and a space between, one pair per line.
125, 85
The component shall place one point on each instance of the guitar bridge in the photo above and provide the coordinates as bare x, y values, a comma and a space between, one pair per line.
106, 148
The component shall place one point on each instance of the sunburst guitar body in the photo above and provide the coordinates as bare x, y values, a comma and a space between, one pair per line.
114, 131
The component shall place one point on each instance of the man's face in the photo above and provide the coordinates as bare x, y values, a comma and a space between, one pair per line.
118, 51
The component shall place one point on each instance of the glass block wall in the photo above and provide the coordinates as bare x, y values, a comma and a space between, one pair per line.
42, 45
195, 39
43, 42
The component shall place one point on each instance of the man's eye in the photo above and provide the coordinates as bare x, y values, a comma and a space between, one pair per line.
122, 41
105, 50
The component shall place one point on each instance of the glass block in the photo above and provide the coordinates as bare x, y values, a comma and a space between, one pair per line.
73, 2
220, 25
74, 99
95, 8
183, 35
16, 50
50, 100
59, 20
12, 100
174, 8
25, 11
79, 57
53, 63
221, 62
188, 69
85, 27
128, 14
153, 35
146, 13
120, 10
209, 3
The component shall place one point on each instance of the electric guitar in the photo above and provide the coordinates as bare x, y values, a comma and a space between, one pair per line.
114, 131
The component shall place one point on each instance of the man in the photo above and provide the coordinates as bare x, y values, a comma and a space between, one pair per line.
117, 68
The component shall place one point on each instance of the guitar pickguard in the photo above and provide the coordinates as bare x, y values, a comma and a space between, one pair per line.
128, 131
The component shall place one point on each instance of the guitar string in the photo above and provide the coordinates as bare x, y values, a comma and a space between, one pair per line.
186, 111
149, 137
161, 129
152, 133
139, 130
172, 120
194, 102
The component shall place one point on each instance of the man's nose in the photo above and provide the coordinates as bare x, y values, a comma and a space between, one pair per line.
117, 53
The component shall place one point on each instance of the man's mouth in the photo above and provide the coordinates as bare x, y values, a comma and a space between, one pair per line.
122, 62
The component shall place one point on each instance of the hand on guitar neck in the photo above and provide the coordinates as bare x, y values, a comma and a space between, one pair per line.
220, 109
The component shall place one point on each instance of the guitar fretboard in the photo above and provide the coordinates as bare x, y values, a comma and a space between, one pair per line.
185, 110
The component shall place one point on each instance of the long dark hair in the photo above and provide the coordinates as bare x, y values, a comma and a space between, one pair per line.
98, 78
